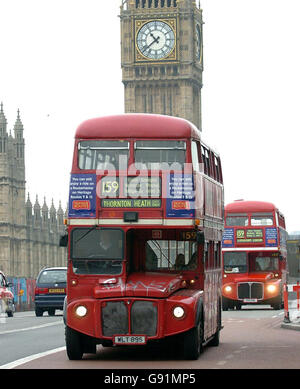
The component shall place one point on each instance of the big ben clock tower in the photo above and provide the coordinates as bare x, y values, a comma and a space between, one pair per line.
161, 55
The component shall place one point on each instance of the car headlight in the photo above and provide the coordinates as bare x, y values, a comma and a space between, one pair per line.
81, 310
271, 288
228, 288
178, 312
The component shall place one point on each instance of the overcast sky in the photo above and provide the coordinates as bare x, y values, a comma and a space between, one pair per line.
60, 65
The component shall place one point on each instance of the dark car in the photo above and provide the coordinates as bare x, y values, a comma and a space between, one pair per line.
50, 290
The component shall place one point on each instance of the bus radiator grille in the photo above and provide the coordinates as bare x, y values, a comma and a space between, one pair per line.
114, 318
250, 290
143, 317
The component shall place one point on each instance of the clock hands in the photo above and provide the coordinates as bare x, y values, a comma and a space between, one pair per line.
155, 40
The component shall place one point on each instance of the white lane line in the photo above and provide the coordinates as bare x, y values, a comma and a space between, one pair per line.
31, 328
30, 358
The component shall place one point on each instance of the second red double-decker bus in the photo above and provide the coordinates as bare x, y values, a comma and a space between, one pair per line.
254, 255
144, 230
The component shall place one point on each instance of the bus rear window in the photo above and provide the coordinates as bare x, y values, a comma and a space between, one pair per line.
103, 155
159, 154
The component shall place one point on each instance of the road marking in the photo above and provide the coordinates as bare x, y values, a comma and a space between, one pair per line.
30, 358
31, 328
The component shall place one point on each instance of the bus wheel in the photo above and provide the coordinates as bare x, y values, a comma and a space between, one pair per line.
225, 305
215, 340
193, 342
39, 312
73, 344
277, 305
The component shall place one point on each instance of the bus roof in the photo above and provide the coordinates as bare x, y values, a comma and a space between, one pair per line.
242, 206
137, 126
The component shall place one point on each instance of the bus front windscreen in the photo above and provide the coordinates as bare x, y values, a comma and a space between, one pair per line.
97, 251
235, 262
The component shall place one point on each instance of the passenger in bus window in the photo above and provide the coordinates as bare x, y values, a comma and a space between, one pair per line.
269, 265
108, 247
257, 266
193, 262
180, 262
151, 258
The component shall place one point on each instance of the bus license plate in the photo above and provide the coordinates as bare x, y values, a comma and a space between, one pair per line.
250, 300
130, 339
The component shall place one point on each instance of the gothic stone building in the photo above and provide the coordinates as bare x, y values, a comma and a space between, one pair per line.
29, 235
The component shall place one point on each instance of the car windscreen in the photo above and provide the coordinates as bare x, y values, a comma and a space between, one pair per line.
53, 276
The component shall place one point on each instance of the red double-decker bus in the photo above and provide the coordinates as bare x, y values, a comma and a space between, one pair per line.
144, 234
254, 255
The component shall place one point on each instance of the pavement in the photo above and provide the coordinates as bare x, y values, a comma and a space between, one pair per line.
293, 320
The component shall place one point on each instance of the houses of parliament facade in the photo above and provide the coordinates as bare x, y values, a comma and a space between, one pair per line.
162, 65
29, 233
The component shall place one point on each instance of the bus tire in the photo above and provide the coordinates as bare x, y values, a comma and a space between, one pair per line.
74, 344
193, 342
215, 341
277, 305
39, 312
225, 304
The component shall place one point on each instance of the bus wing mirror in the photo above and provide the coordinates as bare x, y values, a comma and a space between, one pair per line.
200, 237
63, 241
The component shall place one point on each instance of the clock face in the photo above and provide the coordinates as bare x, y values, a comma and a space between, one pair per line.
155, 40
198, 42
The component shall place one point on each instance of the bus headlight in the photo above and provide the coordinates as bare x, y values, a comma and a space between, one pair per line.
81, 311
178, 312
271, 288
228, 288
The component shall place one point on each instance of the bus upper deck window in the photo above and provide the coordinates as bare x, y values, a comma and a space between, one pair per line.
237, 220
261, 219
103, 155
160, 154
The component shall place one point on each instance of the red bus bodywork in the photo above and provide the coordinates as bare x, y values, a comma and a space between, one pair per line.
139, 304
254, 255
